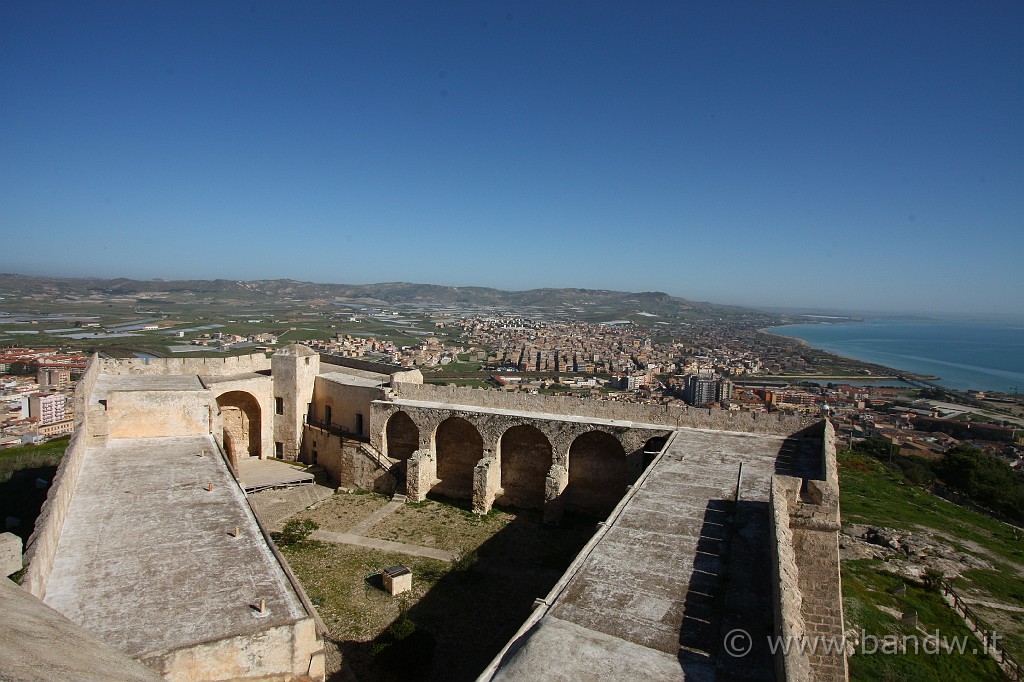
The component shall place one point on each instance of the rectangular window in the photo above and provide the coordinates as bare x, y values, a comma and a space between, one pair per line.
279, 449
327, 414
279, 405
359, 423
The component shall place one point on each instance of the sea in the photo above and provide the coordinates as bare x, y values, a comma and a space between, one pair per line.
984, 356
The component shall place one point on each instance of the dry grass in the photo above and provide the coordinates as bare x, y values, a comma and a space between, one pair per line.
440, 525
343, 510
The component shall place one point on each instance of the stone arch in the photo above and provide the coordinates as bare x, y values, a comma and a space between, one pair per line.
401, 436
598, 476
458, 447
526, 457
241, 427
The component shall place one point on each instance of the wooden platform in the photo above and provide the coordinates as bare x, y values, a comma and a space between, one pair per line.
261, 474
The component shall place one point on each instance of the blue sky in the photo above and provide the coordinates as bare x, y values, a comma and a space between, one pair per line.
864, 155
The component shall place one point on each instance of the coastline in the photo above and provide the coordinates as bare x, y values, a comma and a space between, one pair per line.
960, 356
892, 372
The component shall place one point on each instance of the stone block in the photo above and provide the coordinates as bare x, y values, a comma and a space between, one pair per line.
397, 579
10, 553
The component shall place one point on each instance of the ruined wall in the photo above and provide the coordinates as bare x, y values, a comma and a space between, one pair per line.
282, 653
346, 463
347, 402
42, 544
807, 587
240, 364
157, 414
262, 389
723, 420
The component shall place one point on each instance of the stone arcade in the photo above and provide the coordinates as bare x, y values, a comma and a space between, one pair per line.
715, 520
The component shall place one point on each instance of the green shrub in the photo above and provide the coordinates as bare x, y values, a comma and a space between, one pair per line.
295, 531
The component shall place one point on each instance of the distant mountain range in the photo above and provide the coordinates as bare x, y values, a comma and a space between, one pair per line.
394, 293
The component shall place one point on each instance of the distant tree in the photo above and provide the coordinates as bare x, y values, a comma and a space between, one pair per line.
878, 448
985, 478
21, 368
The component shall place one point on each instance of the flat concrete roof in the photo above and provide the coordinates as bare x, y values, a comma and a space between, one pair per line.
646, 599
365, 379
147, 560
109, 383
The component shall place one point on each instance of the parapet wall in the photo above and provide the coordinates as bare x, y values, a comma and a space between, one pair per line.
42, 544
787, 599
669, 415
238, 364
286, 652
807, 584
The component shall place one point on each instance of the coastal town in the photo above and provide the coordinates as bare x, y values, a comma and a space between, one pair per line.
728, 364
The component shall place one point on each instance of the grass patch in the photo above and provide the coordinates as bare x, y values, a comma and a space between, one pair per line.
441, 525
872, 494
340, 512
873, 598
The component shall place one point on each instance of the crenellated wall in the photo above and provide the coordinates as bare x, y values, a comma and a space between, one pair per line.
669, 415
237, 364
807, 584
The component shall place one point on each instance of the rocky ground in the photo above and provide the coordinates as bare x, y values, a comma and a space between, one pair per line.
907, 553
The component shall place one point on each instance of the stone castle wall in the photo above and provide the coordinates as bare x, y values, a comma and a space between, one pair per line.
668, 415
346, 463
807, 584
284, 653
42, 544
158, 414
239, 364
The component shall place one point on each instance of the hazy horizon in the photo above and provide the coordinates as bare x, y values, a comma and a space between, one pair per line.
860, 156
994, 317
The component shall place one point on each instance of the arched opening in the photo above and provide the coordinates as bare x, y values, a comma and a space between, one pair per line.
597, 474
652, 448
459, 448
525, 462
401, 437
240, 419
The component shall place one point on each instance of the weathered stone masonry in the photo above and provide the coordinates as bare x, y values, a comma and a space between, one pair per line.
807, 585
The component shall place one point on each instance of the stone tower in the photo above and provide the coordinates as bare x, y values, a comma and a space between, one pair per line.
294, 369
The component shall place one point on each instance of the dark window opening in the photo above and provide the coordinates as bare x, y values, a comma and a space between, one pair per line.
279, 449
279, 405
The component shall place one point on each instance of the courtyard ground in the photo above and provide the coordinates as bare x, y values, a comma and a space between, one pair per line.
468, 607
